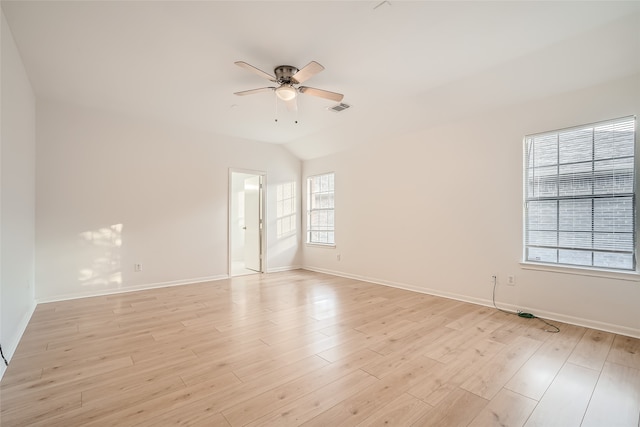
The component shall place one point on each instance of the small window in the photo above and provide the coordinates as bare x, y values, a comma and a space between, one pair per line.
320, 209
579, 191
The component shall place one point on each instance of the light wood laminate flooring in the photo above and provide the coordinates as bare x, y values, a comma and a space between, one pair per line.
304, 348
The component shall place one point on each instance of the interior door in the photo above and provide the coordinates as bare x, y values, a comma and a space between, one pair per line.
252, 223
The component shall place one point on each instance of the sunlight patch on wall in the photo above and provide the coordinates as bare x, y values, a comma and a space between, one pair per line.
103, 258
286, 209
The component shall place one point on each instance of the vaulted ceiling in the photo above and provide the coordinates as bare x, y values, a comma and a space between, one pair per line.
401, 64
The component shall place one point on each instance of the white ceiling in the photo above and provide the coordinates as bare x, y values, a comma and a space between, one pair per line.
400, 64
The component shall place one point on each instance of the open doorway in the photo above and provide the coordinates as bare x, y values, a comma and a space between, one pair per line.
246, 231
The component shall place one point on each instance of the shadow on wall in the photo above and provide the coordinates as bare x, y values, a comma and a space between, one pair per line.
103, 257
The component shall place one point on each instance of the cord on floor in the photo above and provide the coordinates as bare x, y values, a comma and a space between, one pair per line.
522, 314
2, 354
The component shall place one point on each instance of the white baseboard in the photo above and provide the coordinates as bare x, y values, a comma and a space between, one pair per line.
12, 345
136, 288
65, 297
558, 317
280, 269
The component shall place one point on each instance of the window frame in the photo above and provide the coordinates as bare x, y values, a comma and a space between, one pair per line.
558, 266
310, 211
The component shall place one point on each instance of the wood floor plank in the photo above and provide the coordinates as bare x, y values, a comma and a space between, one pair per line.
592, 350
616, 398
302, 347
94, 344
564, 404
138, 413
54, 359
495, 374
404, 410
515, 326
20, 376
217, 420
49, 407
625, 351
393, 361
345, 342
274, 398
507, 409
447, 377
199, 410
288, 342
358, 407
138, 387
320, 400
458, 409
38, 388
535, 376
115, 396
70, 373
402, 337
451, 345
471, 318
420, 301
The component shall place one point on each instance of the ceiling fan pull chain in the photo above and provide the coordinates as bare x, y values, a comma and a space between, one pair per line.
275, 99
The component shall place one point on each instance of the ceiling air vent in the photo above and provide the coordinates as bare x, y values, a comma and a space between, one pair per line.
339, 107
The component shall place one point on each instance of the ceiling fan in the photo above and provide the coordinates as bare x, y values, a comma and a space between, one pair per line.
288, 78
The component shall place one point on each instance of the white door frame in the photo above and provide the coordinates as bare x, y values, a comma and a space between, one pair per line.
263, 228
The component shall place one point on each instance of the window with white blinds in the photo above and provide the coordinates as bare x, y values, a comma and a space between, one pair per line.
320, 209
579, 190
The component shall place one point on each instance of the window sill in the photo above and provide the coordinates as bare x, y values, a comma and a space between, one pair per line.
321, 245
631, 276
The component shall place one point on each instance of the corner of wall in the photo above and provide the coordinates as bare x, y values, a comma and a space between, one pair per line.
12, 345
17, 200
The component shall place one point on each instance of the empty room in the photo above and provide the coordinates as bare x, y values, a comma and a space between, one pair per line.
319, 213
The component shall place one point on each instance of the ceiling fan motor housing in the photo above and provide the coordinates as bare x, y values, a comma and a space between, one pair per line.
284, 74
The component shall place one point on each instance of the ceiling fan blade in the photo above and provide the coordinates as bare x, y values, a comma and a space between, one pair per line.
333, 96
308, 71
252, 91
255, 70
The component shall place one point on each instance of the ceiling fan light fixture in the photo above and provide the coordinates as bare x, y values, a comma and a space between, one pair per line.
286, 92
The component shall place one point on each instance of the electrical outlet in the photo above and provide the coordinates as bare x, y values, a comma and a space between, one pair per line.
493, 279
511, 280
137, 267
338, 257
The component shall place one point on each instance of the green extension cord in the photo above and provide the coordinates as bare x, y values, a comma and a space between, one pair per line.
526, 315
522, 314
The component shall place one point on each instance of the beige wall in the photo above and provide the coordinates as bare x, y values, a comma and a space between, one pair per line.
17, 166
114, 191
440, 211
